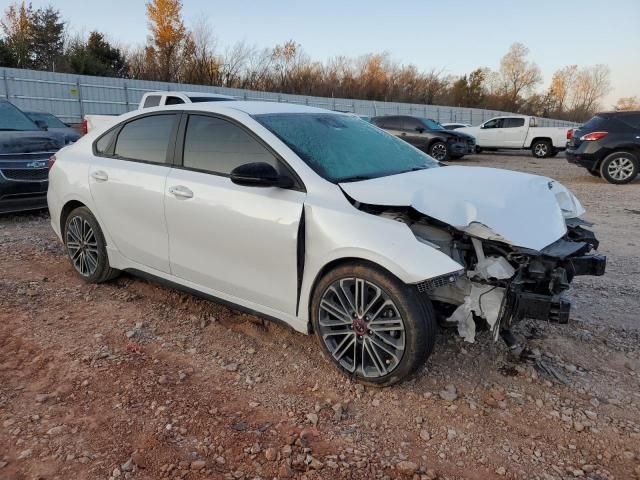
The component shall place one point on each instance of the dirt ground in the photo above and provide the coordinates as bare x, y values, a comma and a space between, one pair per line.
132, 380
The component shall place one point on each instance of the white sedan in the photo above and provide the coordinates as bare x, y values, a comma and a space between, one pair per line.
323, 221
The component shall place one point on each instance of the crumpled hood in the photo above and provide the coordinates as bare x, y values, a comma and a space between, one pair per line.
30, 141
517, 208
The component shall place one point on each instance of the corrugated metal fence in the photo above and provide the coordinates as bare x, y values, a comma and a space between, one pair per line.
71, 96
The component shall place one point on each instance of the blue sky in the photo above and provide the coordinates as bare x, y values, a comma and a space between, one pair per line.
453, 35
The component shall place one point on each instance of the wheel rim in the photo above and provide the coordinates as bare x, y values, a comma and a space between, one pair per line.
620, 168
82, 246
541, 149
361, 327
439, 151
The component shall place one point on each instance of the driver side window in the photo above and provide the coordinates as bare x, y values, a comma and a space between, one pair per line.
218, 146
495, 123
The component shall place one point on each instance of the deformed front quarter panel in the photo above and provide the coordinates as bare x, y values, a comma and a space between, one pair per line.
336, 230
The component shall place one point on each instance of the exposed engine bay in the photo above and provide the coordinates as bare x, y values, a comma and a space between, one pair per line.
499, 283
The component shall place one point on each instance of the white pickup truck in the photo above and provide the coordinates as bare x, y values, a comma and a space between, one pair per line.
155, 99
518, 132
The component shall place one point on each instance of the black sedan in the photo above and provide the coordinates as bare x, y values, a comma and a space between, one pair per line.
608, 146
428, 135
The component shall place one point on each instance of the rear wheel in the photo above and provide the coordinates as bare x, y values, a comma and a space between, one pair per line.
374, 328
619, 168
439, 151
541, 148
86, 247
478, 149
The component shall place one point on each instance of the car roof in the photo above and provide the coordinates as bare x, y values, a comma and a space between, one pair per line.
190, 94
248, 107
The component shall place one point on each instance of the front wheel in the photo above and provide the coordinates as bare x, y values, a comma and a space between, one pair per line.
374, 328
439, 151
619, 168
541, 149
86, 247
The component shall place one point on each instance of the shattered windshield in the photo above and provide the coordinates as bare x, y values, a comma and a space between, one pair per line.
12, 119
343, 148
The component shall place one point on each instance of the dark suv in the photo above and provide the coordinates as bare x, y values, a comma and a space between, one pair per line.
25, 150
608, 146
428, 135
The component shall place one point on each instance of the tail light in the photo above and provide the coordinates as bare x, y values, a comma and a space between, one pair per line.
85, 127
52, 160
570, 133
593, 136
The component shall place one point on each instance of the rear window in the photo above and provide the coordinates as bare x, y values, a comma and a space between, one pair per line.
596, 123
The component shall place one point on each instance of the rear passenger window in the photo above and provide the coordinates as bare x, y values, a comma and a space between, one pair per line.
391, 123
631, 119
151, 101
173, 101
513, 122
218, 146
103, 143
146, 139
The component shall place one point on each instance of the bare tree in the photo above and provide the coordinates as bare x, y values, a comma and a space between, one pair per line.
518, 75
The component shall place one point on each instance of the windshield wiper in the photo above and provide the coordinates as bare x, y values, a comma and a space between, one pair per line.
355, 178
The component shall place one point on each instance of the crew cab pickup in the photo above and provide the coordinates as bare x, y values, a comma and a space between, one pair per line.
156, 99
518, 132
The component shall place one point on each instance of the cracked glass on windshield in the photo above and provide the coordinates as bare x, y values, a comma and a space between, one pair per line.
342, 148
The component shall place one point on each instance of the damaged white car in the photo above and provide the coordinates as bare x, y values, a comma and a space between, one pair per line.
323, 221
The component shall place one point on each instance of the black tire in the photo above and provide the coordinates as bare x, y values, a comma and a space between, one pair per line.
478, 149
94, 266
541, 148
415, 314
439, 151
626, 172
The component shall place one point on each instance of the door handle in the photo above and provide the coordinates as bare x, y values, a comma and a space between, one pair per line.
180, 191
99, 176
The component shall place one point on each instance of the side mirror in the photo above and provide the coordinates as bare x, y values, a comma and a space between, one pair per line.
41, 125
259, 174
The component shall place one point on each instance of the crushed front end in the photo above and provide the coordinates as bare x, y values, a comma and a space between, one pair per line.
502, 283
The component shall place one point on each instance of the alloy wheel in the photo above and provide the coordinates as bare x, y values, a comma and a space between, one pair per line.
541, 149
439, 151
620, 168
82, 246
362, 327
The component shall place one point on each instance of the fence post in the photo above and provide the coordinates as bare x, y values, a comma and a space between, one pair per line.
80, 99
126, 96
6, 85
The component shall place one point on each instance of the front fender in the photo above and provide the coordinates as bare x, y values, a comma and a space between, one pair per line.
332, 235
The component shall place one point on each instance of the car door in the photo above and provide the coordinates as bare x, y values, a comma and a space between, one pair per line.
127, 182
416, 133
240, 241
490, 133
514, 132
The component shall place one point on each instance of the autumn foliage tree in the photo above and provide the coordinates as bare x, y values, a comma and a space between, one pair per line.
167, 38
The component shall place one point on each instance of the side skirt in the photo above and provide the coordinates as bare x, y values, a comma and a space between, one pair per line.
197, 293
